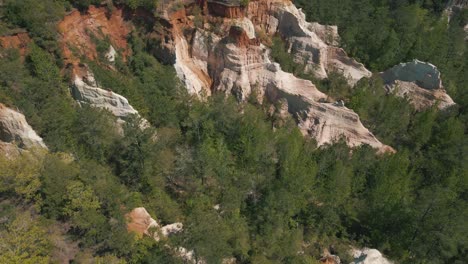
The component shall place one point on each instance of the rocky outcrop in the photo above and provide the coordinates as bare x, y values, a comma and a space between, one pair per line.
368, 256
16, 134
86, 90
312, 44
328, 123
141, 222
192, 71
226, 56
419, 82
241, 69
237, 63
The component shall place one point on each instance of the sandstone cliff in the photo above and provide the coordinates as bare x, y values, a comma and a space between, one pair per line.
419, 82
237, 63
15, 133
86, 90
241, 69
226, 55
312, 44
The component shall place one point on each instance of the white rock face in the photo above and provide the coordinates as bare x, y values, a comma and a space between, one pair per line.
241, 69
171, 229
312, 44
419, 97
111, 54
369, 256
86, 90
328, 123
16, 132
419, 82
190, 71
238, 64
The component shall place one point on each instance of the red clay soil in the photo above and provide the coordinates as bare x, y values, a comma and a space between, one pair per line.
77, 29
18, 41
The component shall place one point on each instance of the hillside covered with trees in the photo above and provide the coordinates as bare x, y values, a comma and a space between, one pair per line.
281, 198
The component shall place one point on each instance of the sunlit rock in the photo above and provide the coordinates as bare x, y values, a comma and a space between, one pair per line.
419, 82
313, 45
141, 222
369, 256
16, 132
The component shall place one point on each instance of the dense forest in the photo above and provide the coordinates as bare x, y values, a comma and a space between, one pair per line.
276, 190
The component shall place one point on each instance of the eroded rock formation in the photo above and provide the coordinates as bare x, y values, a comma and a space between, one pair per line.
141, 222
369, 256
86, 90
16, 134
241, 68
312, 44
419, 82
237, 63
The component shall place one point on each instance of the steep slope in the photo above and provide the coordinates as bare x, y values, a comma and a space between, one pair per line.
419, 82
15, 132
235, 62
313, 45
241, 69
18, 41
79, 32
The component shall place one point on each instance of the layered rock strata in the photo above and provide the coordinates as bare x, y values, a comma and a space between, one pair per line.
312, 44
86, 90
241, 68
237, 63
419, 82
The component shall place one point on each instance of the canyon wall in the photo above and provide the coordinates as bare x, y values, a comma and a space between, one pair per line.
234, 61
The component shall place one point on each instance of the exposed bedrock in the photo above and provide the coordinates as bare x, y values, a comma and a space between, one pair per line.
314, 45
419, 82
141, 222
16, 134
242, 68
85, 90
368, 256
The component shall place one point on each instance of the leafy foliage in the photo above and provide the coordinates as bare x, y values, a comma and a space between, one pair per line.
241, 188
